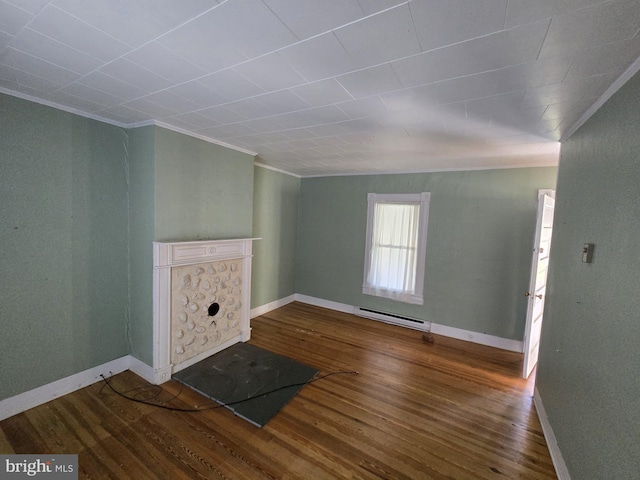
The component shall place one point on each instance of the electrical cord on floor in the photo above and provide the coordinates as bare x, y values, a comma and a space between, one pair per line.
207, 406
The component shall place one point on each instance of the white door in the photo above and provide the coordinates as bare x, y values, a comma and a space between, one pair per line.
538, 282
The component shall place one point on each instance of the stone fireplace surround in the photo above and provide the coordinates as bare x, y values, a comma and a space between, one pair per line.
201, 301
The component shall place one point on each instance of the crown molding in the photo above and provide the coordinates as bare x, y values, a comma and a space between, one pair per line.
608, 93
64, 108
198, 136
144, 123
262, 165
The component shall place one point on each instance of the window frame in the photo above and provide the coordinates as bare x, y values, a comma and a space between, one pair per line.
423, 199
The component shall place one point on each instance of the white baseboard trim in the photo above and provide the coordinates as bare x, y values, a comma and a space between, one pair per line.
319, 302
444, 330
256, 312
142, 369
556, 455
475, 337
40, 395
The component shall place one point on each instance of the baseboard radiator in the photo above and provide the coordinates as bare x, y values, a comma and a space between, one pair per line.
401, 320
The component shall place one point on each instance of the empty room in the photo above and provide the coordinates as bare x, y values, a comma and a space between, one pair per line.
252, 239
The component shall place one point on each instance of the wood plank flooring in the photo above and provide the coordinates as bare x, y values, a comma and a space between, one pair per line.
415, 410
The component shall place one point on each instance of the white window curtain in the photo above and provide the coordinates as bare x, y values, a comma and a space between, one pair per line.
396, 241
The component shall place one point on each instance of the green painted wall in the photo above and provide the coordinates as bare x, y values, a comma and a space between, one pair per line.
202, 190
63, 231
588, 375
481, 226
182, 189
275, 221
141, 166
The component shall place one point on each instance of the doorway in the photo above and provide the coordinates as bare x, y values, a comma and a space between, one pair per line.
538, 280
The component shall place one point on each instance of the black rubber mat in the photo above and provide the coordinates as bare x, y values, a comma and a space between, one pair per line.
243, 372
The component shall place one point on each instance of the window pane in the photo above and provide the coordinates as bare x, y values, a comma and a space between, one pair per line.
393, 254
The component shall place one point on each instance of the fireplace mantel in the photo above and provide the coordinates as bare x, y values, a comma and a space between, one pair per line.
201, 301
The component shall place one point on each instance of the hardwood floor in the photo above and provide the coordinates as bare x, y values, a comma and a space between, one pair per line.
416, 410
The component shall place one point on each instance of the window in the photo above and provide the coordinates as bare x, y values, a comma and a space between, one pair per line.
396, 246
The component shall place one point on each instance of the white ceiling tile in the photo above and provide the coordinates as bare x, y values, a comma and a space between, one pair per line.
502, 49
324, 92
319, 57
62, 98
559, 92
610, 58
73, 32
197, 119
173, 102
495, 105
374, 6
25, 82
228, 131
546, 71
595, 25
370, 81
422, 98
270, 137
307, 18
134, 22
82, 91
364, 107
12, 18
292, 120
231, 85
135, 75
248, 25
466, 88
443, 22
281, 102
122, 19
36, 66
520, 12
429, 67
563, 109
359, 125
202, 42
112, 86
299, 133
328, 141
328, 114
505, 80
235, 130
31, 6
328, 130
180, 123
222, 115
270, 72
150, 108
399, 119
249, 107
5, 38
199, 94
262, 125
300, 144
162, 61
381, 37
34, 43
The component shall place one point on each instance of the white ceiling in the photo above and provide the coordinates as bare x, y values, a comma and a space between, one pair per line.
319, 87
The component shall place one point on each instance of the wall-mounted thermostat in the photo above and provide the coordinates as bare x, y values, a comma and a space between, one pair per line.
587, 252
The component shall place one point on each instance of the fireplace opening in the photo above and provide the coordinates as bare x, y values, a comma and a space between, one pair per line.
213, 309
